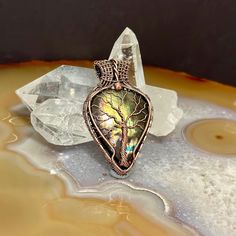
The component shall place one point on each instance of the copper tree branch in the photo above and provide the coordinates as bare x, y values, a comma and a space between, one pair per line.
137, 103
114, 108
110, 102
138, 122
140, 111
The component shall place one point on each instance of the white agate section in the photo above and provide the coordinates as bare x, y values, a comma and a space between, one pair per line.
56, 98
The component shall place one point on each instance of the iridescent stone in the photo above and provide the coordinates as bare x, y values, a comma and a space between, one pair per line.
122, 117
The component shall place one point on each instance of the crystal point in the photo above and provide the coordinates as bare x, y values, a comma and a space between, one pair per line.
70, 82
126, 47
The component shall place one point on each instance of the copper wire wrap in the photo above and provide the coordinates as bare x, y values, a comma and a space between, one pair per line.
111, 71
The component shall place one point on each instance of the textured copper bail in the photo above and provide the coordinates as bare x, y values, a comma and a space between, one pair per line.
111, 71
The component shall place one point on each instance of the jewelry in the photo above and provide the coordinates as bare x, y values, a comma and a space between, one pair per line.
117, 114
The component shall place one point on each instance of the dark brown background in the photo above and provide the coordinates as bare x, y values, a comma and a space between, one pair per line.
196, 36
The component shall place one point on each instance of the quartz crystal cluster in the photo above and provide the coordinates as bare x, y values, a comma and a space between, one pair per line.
56, 99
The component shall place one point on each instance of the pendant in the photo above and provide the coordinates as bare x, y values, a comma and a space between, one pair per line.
118, 115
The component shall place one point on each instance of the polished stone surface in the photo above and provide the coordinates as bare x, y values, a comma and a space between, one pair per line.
201, 185
123, 118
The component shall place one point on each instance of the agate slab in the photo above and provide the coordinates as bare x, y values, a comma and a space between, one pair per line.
173, 176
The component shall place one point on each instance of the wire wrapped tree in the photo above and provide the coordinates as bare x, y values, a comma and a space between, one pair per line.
121, 117
117, 114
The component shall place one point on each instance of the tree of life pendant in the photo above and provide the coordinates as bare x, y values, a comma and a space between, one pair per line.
118, 115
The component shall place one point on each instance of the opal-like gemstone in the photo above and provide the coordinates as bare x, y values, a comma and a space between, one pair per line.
122, 117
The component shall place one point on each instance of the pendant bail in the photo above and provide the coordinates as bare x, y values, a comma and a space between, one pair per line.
112, 71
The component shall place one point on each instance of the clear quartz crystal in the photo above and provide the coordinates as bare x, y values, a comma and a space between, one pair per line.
55, 99
70, 82
61, 121
126, 47
166, 113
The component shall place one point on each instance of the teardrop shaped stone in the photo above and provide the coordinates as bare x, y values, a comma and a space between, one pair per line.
122, 118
